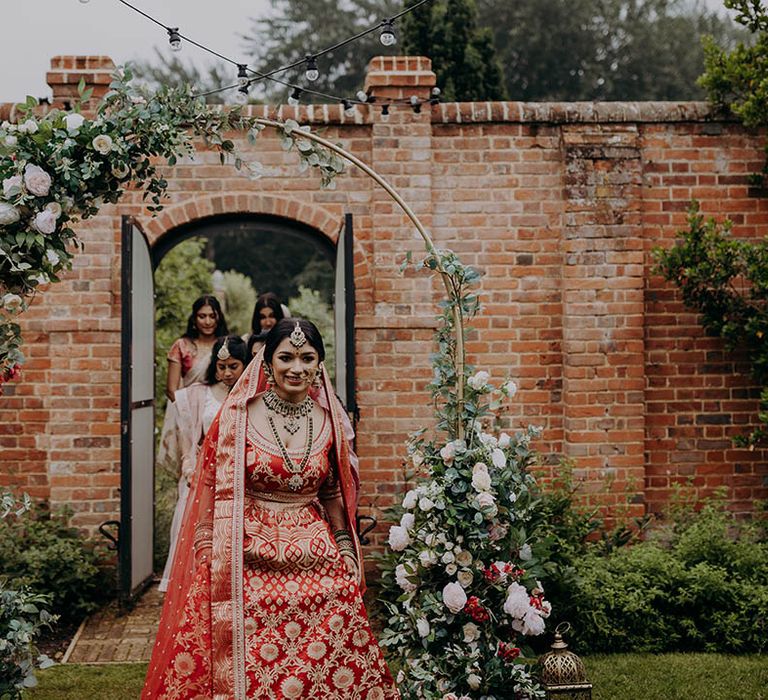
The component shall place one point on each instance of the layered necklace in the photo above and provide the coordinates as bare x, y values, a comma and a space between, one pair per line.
291, 413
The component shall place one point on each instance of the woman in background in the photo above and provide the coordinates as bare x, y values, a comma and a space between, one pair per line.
190, 416
189, 356
267, 312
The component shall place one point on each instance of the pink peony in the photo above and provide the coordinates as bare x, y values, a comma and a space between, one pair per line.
37, 181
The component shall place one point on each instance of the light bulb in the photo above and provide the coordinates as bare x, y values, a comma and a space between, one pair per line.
312, 73
84, 2
361, 96
349, 109
388, 36
294, 97
241, 96
384, 113
174, 38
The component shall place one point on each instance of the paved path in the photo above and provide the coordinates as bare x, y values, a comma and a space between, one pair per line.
110, 636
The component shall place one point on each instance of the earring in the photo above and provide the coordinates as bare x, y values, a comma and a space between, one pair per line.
317, 382
269, 374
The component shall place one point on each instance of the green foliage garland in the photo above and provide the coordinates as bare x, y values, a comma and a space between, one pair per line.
60, 168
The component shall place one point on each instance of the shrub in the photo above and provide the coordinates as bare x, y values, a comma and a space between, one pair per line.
22, 618
698, 583
241, 299
42, 552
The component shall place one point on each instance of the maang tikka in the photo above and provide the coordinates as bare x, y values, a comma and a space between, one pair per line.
297, 338
223, 353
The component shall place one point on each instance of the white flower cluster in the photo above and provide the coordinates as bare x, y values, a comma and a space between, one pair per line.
527, 610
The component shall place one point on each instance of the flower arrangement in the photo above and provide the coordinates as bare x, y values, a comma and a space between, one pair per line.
62, 167
461, 582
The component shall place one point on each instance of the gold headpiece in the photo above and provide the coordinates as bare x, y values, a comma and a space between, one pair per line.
297, 337
223, 353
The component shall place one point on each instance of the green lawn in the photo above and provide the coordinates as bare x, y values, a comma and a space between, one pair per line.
615, 677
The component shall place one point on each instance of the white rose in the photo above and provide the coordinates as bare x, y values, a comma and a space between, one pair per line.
54, 208
509, 388
451, 569
29, 127
471, 632
73, 121
120, 171
102, 144
53, 257
533, 623
422, 627
525, 552
486, 500
518, 602
417, 458
42, 278
454, 597
12, 302
426, 504
481, 479
11, 186
427, 558
498, 459
448, 453
430, 539
473, 681
465, 578
10, 141
400, 678
399, 538
504, 441
410, 500
546, 608
407, 520
479, 380
401, 577
8, 214
37, 181
448, 558
44, 222
464, 558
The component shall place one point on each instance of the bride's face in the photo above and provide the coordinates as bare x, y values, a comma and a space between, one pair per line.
294, 369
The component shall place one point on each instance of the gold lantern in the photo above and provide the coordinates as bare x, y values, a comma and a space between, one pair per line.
562, 672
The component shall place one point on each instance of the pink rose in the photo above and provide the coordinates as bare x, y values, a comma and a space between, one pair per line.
38, 181
44, 222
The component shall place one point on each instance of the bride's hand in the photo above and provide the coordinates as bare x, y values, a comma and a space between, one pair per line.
351, 562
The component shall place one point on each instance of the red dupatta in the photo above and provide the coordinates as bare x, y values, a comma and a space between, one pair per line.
217, 498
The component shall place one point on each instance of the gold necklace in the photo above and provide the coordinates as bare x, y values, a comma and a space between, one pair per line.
291, 413
296, 481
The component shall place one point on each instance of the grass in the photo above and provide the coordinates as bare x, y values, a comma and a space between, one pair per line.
615, 677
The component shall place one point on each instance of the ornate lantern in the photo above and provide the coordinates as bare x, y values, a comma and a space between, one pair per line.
562, 672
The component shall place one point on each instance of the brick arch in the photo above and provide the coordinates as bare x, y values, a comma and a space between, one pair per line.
324, 220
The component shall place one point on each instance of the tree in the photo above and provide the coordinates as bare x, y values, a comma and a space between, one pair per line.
463, 55
241, 298
301, 27
612, 50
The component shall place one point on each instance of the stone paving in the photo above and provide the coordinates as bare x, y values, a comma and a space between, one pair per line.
113, 636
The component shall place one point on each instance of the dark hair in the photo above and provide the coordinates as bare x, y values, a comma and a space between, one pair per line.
237, 350
254, 338
213, 302
284, 328
268, 299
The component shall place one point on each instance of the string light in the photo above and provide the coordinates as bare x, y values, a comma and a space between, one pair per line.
362, 96
435, 99
294, 98
415, 104
349, 108
242, 74
241, 96
174, 38
388, 36
385, 112
84, 2
311, 73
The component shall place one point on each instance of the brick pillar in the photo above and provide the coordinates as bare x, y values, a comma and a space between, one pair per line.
603, 347
67, 71
403, 309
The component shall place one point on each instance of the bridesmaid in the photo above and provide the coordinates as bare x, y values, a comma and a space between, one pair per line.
189, 356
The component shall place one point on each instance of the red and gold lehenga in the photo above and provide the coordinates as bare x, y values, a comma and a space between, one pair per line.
273, 612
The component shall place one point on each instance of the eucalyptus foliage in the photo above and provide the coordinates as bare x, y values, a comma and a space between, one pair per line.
60, 168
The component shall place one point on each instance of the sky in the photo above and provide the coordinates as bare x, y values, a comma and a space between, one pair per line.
36, 30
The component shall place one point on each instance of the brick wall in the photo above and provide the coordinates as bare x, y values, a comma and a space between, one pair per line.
559, 206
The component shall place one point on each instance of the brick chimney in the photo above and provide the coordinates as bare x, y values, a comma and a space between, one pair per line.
67, 71
400, 77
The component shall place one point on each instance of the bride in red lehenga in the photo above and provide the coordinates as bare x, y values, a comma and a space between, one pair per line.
265, 597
